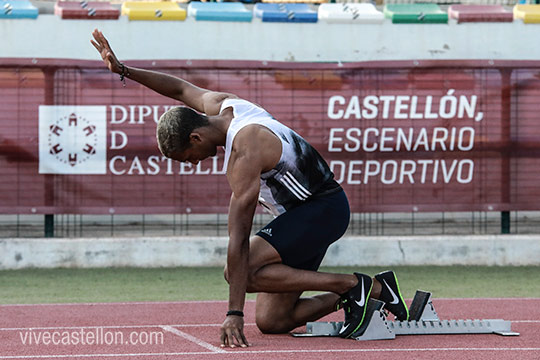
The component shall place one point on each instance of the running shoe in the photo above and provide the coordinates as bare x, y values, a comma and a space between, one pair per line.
354, 304
391, 295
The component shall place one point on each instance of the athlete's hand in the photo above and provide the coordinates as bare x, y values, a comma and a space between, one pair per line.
232, 332
102, 46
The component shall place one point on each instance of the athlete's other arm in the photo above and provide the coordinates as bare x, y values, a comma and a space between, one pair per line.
202, 100
255, 150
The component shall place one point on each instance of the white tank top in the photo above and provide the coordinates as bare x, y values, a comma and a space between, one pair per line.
301, 171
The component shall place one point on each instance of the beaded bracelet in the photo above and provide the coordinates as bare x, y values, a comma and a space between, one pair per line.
125, 72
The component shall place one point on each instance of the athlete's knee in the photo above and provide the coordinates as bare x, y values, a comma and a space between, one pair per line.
269, 323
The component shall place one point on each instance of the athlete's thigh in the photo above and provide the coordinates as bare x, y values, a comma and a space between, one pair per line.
262, 253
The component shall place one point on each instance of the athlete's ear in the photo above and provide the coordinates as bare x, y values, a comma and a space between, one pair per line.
195, 137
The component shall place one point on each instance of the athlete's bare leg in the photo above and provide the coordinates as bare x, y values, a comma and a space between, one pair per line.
279, 307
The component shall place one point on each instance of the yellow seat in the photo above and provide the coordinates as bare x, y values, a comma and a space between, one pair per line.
529, 13
153, 10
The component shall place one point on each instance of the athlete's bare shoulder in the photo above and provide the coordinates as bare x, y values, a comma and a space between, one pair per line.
213, 101
258, 144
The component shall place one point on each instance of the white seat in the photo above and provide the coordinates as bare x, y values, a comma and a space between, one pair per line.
350, 13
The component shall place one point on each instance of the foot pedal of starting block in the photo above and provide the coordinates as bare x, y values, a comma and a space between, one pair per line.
422, 308
376, 327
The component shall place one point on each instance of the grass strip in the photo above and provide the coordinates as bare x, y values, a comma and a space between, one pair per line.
31, 286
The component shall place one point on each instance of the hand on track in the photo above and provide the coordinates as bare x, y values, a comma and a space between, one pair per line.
232, 332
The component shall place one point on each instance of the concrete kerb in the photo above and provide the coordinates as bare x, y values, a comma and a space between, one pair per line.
498, 250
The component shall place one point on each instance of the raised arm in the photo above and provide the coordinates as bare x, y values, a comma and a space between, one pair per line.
202, 100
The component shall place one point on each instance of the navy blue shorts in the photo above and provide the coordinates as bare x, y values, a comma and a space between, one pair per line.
302, 235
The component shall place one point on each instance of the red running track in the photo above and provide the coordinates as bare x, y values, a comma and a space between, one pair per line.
189, 330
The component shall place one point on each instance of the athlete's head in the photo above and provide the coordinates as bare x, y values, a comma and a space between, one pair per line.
175, 127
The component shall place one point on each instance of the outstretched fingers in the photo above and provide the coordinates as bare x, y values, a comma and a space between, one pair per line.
227, 338
99, 37
242, 340
233, 338
97, 40
96, 45
102, 46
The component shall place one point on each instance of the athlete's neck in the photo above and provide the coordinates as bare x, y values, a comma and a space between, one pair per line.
219, 125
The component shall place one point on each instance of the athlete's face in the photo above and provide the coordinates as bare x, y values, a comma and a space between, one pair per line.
199, 150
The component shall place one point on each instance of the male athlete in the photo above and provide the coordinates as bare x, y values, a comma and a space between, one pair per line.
270, 164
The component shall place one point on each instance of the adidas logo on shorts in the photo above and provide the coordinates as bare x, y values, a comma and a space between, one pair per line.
267, 231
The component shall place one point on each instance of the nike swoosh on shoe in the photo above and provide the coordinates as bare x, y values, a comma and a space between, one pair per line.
395, 299
344, 328
362, 301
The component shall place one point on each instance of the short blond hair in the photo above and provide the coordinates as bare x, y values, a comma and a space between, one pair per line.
175, 126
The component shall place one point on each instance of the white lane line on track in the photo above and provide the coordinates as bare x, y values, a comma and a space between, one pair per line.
526, 321
234, 352
193, 339
485, 299
112, 327
126, 303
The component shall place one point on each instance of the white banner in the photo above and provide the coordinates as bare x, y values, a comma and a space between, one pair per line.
72, 139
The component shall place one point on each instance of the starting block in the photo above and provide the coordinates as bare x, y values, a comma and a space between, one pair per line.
423, 321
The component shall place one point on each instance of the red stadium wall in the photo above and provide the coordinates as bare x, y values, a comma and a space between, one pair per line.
400, 136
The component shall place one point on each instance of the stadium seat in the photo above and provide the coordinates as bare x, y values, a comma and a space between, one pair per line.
153, 10
415, 14
479, 13
223, 11
350, 13
86, 10
17, 9
530, 14
299, 13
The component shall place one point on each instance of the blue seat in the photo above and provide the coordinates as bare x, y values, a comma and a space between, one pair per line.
17, 9
215, 11
285, 13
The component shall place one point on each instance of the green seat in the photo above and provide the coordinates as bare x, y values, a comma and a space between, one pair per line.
415, 14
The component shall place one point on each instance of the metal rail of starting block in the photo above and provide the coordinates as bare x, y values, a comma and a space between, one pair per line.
423, 321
